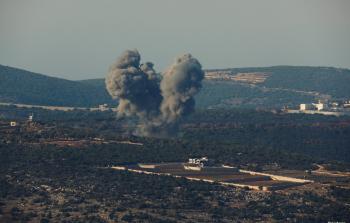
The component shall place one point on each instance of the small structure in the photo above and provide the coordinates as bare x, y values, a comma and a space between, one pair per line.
190, 166
103, 107
199, 164
347, 104
147, 165
31, 117
335, 104
304, 107
198, 161
13, 124
320, 106
195, 163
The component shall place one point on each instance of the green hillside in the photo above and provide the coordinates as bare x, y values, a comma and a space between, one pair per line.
21, 86
325, 80
224, 94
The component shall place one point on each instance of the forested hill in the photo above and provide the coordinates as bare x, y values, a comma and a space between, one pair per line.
21, 86
325, 80
261, 87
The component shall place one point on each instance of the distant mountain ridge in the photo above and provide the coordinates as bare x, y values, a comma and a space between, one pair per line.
260, 87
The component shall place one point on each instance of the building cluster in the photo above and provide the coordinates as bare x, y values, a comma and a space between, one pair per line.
250, 77
198, 161
326, 106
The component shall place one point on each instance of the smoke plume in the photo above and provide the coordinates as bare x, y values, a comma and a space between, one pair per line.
157, 100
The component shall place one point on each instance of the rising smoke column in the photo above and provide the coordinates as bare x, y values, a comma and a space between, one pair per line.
159, 101
135, 85
179, 85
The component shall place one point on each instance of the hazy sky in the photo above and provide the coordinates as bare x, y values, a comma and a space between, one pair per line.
79, 39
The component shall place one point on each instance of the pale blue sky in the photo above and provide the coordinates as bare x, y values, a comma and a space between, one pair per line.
79, 39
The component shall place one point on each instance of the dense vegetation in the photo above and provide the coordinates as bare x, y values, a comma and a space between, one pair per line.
292, 140
47, 183
318, 136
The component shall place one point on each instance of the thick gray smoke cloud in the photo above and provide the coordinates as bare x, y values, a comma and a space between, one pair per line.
157, 100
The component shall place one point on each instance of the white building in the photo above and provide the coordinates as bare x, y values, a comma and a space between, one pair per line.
347, 104
198, 161
103, 107
304, 107
320, 106
31, 117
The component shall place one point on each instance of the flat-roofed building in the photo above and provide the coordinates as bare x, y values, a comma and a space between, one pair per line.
304, 107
